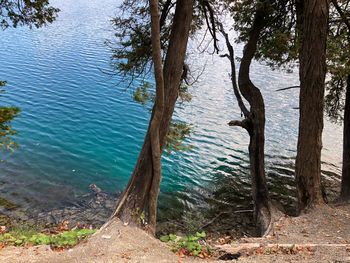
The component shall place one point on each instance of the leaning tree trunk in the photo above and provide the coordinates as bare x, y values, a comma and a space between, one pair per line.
134, 199
345, 183
156, 117
312, 85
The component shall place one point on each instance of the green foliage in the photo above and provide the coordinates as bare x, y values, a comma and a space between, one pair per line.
167, 238
184, 94
70, 238
191, 243
142, 94
139, 216
29, 236
132, 49
178, 132
280, 40
36, 13
338, 64
7, 114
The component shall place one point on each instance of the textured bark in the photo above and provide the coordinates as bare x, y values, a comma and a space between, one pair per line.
312, 86
265, 214
156, 117
256, 127
134, 199
345, 183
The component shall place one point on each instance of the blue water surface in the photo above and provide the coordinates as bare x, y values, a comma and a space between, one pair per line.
80, 125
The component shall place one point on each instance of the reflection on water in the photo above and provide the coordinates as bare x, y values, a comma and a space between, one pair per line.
77, 127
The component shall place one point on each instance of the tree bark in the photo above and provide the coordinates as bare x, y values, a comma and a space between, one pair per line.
256, 127
345, 183
135, 197
157, 116
265, 214
312, 85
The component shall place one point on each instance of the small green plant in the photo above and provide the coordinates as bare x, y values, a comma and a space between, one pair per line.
27, 236
142, 218
167, 238
192, 245
139, 216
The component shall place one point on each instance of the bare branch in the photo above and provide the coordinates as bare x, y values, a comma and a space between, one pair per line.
231, 57
341, 13
244, 123
210, 21
291, 87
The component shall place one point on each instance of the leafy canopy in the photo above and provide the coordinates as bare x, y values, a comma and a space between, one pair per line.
36, 13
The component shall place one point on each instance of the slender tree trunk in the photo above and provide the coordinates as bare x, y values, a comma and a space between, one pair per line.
256, 129
265, 214
135, 197
345, 183
157, 116
312, 86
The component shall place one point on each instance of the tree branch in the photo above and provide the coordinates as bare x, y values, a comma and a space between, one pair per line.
210, 22
292, 87
244, 124
341, 13
231, 57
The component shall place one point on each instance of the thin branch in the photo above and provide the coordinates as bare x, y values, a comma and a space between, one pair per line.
292, 87
214, 219
210, 23
165, 11
341, 13
231, 57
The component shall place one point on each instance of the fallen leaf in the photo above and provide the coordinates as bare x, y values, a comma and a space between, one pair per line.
2, 229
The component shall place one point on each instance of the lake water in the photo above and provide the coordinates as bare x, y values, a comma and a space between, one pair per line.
80, 126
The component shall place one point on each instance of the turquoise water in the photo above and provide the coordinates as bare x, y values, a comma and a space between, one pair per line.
80, 125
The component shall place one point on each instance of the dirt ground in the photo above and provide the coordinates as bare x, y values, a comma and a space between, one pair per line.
322, 235
115, 243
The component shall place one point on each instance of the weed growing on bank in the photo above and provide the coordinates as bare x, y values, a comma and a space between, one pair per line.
190, 245
26, 236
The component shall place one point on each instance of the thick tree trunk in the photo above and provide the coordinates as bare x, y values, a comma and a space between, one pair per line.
312, 86
345, 183
134, 199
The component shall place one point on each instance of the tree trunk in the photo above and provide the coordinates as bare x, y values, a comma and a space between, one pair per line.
345, 183
156, 117
312, 85
134, 199
256, 128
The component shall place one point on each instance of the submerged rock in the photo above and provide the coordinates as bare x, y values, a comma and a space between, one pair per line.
92, 209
